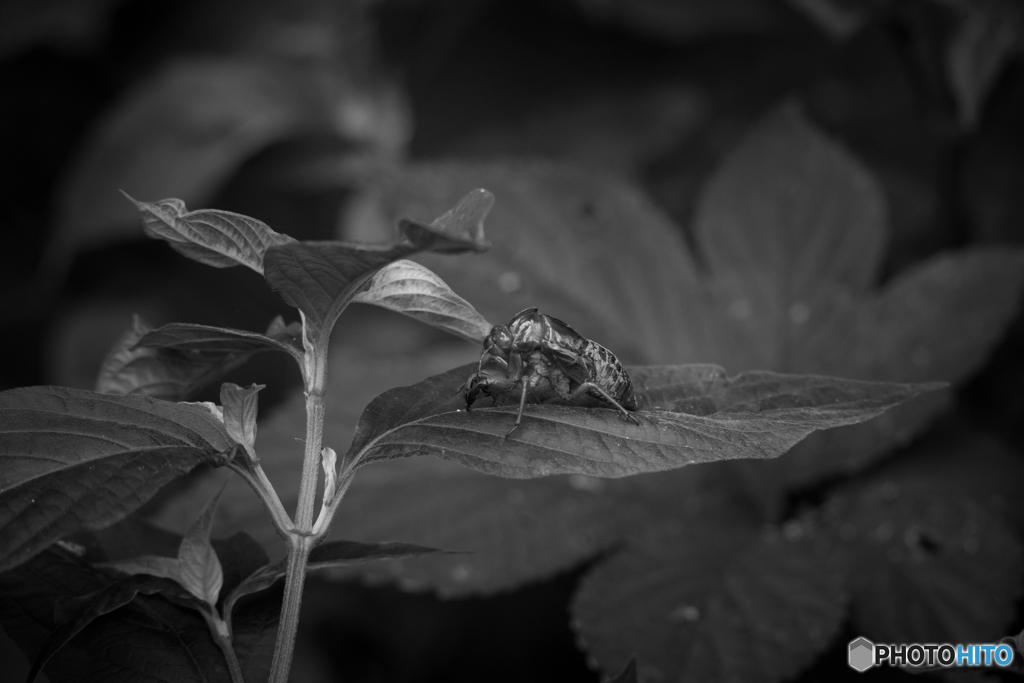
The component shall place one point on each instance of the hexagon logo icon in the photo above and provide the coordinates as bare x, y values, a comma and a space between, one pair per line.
861, 654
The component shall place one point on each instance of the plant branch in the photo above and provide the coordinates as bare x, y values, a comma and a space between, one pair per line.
254, 475
298, 556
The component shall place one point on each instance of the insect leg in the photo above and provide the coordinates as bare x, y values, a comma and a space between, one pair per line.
590, 386
522, 406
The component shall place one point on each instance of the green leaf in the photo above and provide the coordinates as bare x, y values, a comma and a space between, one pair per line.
240, 409
713, 601
75, 459
412, 289
687, 414
321, 278
217, 238
175, 361
148, 640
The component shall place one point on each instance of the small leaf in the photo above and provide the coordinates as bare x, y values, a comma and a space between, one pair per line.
321, 278
77, 613
175, 361
217, 238
687, 414
628, 673
196, 568
200, 568
240, 409
412, 289
713, 601
72, 459
987, 37
329, 461
329, 555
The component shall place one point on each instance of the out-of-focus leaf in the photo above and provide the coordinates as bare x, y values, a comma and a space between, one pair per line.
174, 361
929, 559
840, 18
412, 289
75, 459
240, 409
586, 247
216, 238
75, 614
146, 641
989, 34
687, 414
56, 23
321, 278
183, 132
628, 673
683, 20
713, 601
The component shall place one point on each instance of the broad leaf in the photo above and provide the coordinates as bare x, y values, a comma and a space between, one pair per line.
240, 409
216, 238
75, 459
713, 601
321, 278
75, 614
175, 361
687, 414
146, 641
412, 289
931, 556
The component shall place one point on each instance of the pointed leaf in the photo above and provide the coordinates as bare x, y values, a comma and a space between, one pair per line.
175, 361
329, 555
713, 601
459, 229
240, 409
412, 289
148, 640
988, 35
217, 238
80, 612
199, 566
628, 673
687, 414
73, 459
213, 341
321, 278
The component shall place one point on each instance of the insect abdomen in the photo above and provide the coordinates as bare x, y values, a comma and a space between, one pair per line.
609, 374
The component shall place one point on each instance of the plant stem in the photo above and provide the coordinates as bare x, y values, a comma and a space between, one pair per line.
257, 479
298, 556
301, 538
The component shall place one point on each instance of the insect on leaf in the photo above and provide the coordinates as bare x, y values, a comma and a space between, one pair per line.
688, 414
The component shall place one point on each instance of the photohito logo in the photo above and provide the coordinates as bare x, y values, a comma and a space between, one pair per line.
863, 654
